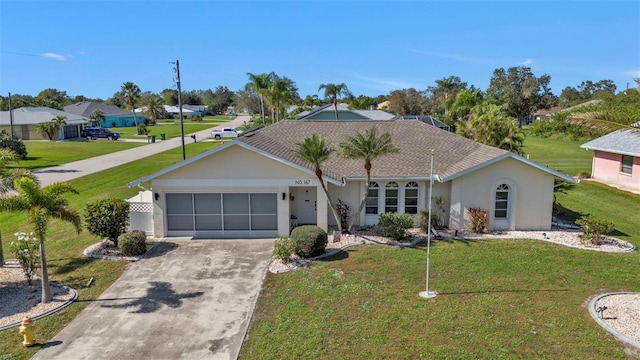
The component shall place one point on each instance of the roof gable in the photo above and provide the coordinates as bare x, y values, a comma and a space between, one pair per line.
85, 108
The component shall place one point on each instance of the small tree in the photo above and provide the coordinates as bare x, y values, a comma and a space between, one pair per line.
595, 229
25, 248
107, 218
51, 128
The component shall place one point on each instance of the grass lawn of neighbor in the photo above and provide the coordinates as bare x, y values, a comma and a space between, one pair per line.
171, 130
67, 265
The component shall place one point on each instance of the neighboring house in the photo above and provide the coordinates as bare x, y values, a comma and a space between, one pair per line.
195, 109
424, 118
26, 119
616, 158
264, 185
328, 112
114, 116
545, 113
174, 111
385, 105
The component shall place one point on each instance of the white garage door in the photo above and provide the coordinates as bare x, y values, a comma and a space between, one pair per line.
220, 215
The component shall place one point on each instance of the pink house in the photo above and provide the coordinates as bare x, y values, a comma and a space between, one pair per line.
616, 158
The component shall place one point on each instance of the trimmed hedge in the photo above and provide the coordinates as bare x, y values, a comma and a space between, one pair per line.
310, 240
132, 243
107, 218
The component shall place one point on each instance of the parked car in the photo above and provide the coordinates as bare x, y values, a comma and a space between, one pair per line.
98, 133
226, 133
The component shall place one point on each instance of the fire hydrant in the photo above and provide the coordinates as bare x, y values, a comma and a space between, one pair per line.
27, 331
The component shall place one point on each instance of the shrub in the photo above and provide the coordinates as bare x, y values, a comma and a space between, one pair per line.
197, 118
595, 229
25, 248
283, 248
132, 243
107, 218
344, 212
13, 143
422, 223
143, 129
309, 240
396, 225
479, 220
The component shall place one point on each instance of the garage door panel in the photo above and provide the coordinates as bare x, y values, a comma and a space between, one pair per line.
180, 222
236, 222
236, 203
207, 203
264, 222
264, 204
208, 222
179, 204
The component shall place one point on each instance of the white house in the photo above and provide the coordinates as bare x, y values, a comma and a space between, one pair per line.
253, 186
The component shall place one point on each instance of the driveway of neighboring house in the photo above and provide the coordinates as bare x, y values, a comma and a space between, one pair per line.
187, 299
92, 165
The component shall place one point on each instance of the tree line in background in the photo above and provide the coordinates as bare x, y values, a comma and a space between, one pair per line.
512, 97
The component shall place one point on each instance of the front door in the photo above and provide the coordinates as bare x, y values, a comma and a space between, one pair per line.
306, 205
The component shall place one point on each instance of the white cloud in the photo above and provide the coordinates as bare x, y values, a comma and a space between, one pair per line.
82, 52
54, 56
633, 73
527, 62
457, 57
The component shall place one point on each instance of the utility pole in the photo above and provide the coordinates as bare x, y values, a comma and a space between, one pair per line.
13, 134
177, 70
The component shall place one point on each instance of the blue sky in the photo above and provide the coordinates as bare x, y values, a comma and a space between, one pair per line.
91, 47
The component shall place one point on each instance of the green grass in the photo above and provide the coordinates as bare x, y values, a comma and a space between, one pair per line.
513, 299
560, 154
42, 154
64, 248
516, 299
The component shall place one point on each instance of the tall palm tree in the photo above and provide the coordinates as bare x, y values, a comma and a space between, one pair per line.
488, 124
98, 116
154, 108
259, 84
131, 93
368, 146
333, 91
51, 128
7, 177
309, 101
316, 150
41, 205
278, 95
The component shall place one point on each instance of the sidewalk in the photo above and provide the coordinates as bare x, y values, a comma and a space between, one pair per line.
96, 164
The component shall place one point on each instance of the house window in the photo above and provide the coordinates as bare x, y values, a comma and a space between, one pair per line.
627, 164
411, 198
372, 199
502, 201
391, 197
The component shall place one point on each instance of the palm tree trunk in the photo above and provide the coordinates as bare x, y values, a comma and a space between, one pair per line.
333, 209
363, 202
262, 109
335, 106
135, 119
46, 290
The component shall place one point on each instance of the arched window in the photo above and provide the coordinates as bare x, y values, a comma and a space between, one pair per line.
411, 198
391, 197
372, 198
502, 202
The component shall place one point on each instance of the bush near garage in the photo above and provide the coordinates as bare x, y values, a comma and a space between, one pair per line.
310, 240
107, 218
283, 248
132, 243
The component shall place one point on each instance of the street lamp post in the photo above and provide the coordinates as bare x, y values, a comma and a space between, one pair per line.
429, 294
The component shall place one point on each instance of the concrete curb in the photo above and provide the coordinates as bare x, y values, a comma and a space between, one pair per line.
612, 331
73, 298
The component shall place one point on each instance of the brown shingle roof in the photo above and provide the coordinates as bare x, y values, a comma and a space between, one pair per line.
414, 138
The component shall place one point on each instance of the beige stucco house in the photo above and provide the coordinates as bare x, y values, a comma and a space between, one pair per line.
255, 186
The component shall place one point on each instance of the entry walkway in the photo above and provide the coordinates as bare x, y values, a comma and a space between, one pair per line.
187, 299
92, 165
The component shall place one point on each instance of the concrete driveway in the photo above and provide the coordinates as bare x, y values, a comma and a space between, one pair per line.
187, 299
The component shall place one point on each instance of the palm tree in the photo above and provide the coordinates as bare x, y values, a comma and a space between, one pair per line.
278, 95
259, 84
367, 146
41, 205
316, 150
333, 91
154, 108
51, 128
7, 177
310, 101
98, 116
131, 93
488, 124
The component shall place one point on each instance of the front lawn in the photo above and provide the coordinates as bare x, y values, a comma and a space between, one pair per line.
563, 155
512, 299
43, 154
64, 248
170, 130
